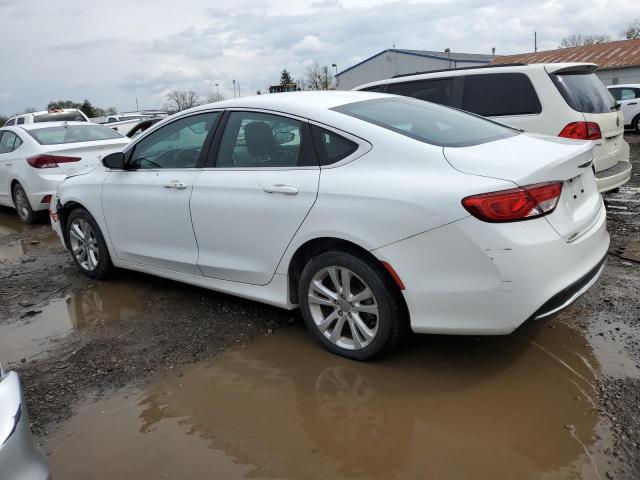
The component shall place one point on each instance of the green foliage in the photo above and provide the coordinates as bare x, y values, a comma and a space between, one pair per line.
285, 77
86, 107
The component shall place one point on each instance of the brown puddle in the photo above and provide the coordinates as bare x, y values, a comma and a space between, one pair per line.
31, 335
10, 223
442, 407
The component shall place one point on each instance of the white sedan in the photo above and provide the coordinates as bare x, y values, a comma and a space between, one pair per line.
36, 157
371, 212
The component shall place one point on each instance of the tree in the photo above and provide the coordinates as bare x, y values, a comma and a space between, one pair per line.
178, 100
578, 40
110, 111
632, 32
318, 78
3, 120
215, 97
285, 77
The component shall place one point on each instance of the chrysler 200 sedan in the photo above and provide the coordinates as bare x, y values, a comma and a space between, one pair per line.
373, 213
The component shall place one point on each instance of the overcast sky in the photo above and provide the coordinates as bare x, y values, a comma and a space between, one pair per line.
115, 51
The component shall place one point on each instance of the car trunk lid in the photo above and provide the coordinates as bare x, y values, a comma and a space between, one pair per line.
529, 159
90, 153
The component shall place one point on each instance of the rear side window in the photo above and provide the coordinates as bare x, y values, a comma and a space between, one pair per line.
20, 120
625, 93
330, 146
9, 142
427, 122
377, 88
70, 116
438, 90
500, 94
72, 134
584, 93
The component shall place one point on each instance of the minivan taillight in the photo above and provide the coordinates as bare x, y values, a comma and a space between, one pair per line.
50, 161
582, 131
524, 203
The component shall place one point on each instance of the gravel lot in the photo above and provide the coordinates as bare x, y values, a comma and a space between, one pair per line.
72, 339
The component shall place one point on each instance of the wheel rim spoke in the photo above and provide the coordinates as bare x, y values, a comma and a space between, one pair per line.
362, 328
363, 295
337, 330
326, 323
333, 274
371, 309
320, 288
84, 244
345, 276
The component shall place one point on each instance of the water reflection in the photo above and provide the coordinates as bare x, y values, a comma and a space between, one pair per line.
34, 333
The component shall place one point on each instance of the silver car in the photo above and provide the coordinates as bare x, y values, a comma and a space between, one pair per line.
20, 459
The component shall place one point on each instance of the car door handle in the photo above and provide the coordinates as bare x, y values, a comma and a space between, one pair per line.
177, 184
284, 189
632, 103
8, 164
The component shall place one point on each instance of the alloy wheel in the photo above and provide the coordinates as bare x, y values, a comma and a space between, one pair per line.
84, 244
22, 203
343, 308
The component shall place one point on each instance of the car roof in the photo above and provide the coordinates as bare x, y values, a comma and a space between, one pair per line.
303, 104
629, 85
35, 126
484, 69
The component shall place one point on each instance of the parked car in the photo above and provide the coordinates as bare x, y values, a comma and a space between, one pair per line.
123, 127
19, 457
561, 99
36, 157
53, 115
370, 212
142, 127
628, 96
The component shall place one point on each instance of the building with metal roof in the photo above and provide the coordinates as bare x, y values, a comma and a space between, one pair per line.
395, 61
619, 61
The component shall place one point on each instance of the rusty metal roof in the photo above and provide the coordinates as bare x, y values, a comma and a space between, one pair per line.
620, 53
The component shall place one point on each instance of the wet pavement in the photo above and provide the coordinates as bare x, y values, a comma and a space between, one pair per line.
140, 377
511, 407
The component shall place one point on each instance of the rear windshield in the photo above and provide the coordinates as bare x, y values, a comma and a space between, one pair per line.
72, 134
427, 122
584, 93
70, 116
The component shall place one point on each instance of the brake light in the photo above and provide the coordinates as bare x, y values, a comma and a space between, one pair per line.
50, 161
582, 131
516, 204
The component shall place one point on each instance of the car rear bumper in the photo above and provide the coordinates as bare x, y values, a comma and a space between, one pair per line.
614, 177
19, 458
41, 187
475, 278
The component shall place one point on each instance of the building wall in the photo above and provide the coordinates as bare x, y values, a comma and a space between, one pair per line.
389, 64
616, 76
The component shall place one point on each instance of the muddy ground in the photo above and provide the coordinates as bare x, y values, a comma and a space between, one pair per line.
559, 398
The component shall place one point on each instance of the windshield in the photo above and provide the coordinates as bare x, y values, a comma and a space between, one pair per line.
427, 122
72, 134
584, 93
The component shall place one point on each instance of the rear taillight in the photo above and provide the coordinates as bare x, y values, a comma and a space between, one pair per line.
582, 131
516, 204
50, 161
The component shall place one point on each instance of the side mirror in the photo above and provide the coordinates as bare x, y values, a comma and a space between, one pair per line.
114, 161
283, 137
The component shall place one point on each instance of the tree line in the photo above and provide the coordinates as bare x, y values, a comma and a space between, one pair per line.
631, 32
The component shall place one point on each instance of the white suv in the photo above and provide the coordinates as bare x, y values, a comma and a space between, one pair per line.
53, 115
559, 99
628, 96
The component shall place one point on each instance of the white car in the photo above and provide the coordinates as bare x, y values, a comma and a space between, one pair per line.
560, 99
371, 212
36, 157
628, 96
53, 115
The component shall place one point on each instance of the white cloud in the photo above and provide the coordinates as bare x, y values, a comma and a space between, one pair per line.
309, 44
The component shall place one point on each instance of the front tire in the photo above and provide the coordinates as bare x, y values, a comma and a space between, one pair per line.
350, 305
23, 206
87, 245
636, 124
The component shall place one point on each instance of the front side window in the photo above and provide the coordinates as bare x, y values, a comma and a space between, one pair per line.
72, 134
176, 145
260, 140
10, 122
628, 93
500, 94
438, 90
330, 146
9, 142
427, 122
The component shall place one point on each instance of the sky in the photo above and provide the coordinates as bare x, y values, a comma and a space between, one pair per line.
115, 52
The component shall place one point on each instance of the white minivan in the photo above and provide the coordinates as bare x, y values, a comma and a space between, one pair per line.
559, 99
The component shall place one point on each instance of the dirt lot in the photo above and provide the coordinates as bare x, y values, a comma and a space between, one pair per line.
140, 364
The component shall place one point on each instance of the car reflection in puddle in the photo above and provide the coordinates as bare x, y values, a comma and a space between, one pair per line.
39, 327
442, 407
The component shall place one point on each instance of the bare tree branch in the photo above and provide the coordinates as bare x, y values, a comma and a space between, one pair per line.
577, 40
178, 100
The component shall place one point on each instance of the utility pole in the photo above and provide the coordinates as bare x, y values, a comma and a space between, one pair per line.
239, 90
217, 91
234, 89
535, 42
137, 109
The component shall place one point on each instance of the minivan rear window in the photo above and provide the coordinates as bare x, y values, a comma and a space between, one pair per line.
70, 116
427, 122
72, 134
584, 93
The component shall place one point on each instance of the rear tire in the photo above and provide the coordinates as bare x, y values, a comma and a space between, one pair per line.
636, 124
23, 206
86, 245
361, 321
